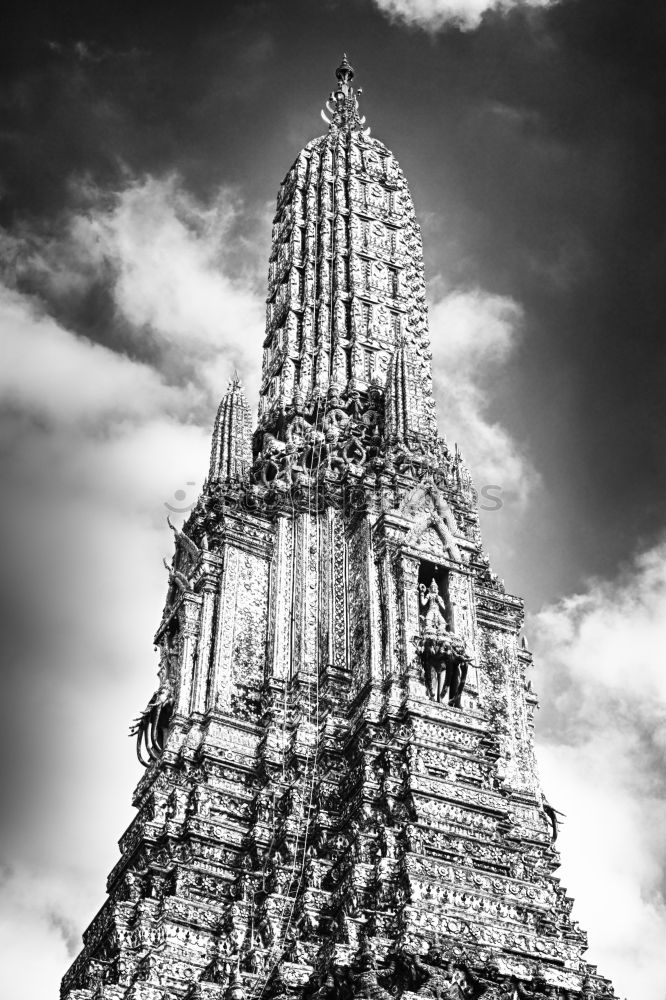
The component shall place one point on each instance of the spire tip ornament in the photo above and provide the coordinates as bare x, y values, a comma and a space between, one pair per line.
345, 71
342, 104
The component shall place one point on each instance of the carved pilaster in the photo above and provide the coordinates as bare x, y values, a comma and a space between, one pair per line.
209, 609
221, 679
408, 577
281, 599
189, 612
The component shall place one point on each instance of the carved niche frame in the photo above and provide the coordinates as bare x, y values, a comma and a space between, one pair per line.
424, 530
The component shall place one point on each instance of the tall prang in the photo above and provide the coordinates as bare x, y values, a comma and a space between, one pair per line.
341, 797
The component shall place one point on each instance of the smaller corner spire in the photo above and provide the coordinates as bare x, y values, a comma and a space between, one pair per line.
231, 450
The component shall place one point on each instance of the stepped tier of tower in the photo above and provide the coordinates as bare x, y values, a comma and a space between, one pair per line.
341, 796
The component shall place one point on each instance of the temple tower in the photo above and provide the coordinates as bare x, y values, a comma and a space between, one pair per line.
341, 796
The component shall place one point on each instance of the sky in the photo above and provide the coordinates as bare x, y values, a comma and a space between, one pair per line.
141, 149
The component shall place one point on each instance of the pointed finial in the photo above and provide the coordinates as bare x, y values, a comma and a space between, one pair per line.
342, 105
344, 72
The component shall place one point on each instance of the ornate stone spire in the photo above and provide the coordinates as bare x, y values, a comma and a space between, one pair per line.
231, 450
346, 278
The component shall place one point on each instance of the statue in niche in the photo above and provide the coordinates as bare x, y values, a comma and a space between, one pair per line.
434, 618
443, 653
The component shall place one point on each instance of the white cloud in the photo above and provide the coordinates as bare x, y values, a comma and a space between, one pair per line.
94, 443
432, 15
474, 335
168, 252
60, 377
599, 657
169, 263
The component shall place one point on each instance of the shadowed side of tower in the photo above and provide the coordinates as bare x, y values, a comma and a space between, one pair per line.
341, 797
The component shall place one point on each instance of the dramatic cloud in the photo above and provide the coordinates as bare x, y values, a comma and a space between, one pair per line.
92, 445
177, 275
171, 257
108, 385
432, 15
96, 439
601, 732
474, 335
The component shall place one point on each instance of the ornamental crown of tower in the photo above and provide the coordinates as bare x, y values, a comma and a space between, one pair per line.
341, 797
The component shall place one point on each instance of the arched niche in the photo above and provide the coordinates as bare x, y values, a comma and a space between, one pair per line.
431, 549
